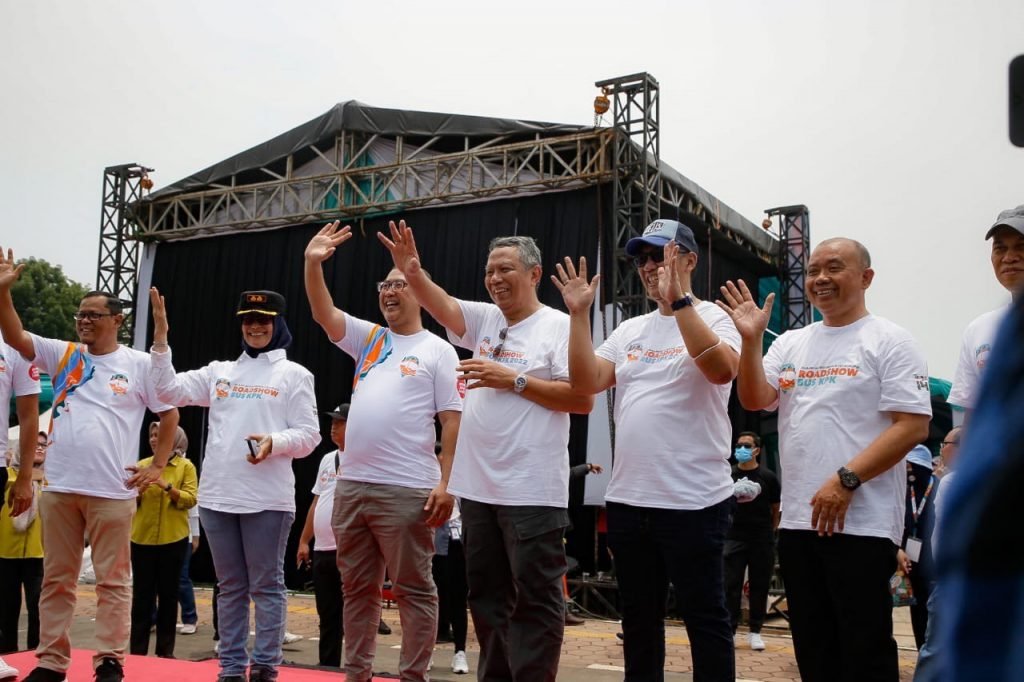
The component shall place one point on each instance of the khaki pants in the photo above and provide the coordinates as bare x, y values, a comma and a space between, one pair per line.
67, 519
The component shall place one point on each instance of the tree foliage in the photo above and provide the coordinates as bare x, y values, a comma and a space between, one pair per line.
46, 299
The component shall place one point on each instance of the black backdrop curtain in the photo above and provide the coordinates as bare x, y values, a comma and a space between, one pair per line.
202, 278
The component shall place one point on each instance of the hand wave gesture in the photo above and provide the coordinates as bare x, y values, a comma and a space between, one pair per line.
577, 292
750, 320
402, 246
322, 245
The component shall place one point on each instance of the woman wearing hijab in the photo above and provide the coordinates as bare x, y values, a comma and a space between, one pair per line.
159, 540
262, 415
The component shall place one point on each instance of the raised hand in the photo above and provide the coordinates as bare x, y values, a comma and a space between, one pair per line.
322, 245
402, 246
9, 272
159, 311
669, 287
750, 320
576, 291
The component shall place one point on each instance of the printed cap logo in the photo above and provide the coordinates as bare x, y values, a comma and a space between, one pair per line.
255, 298
654, 227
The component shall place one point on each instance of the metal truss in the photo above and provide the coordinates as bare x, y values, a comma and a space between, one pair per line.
637, 180
794, 251
117, 269
347, 190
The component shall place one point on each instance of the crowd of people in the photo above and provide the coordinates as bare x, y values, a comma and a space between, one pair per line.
478, 506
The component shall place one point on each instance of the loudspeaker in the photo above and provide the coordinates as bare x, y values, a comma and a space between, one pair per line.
1017, 101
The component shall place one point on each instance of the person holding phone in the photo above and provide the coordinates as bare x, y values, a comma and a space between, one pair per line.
262, 415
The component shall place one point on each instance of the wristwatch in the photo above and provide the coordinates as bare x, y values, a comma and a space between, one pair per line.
168, 488
519, 385
848, 479
684, 301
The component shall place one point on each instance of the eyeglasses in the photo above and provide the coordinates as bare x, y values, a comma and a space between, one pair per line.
394, 285
496, 351
950, 442
257, 318
656, 256
83, 315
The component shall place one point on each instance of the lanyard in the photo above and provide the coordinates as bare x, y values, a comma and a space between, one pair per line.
916, 510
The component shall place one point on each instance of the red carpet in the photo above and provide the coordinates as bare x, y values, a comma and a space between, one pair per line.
152, 669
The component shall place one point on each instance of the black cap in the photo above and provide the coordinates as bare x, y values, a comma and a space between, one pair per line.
263, 302
340, 412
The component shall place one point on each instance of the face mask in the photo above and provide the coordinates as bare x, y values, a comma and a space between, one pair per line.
744, 455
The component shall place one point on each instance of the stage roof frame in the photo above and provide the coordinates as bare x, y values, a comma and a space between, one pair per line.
260, 189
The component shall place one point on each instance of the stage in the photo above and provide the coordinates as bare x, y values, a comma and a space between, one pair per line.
152, 669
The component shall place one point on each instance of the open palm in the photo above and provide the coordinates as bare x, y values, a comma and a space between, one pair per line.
322, 245
750, 319
576, 291
8, 270
402, 246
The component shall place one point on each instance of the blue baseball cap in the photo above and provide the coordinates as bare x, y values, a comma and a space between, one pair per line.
659, 233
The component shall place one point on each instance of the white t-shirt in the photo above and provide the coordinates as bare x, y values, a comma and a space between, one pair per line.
974, 349
97, 422
326, 480
836, 387
390, 436
18, 377
941, 499
672, 428
511, 450
267, 394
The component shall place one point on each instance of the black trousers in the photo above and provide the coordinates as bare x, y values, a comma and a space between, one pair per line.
156, 570
330, 606
653, 547
515, 560
15, 575
840, 608
452, 592
756, 556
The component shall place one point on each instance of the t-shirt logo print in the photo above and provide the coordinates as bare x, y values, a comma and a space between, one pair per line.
981, 355
787, 378
3, 364
634, 351
409, 365
222, 388
118, 384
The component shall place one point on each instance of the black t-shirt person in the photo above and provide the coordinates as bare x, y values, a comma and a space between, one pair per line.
753, 520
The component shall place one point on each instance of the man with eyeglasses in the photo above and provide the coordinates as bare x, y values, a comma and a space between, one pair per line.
101, 392
1007, 256
512, 466
670, 498
392, 490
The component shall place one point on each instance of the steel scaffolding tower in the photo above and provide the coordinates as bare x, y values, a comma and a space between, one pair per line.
117, 270
794, 250
636, 178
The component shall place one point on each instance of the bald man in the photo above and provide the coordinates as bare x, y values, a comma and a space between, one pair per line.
853, 399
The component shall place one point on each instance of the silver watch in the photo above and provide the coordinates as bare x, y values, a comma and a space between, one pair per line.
520, 383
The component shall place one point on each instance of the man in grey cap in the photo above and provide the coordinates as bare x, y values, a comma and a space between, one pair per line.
1007, 235
670, 498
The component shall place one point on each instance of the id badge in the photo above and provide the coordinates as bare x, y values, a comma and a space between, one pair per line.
456, 534
913, 549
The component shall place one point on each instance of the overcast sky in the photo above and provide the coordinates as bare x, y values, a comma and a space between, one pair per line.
886, 118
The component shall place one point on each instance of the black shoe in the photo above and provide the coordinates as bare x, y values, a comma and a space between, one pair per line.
444, 637
231, 678
383, 629
572, 619
45, 675
109, 670
259, 673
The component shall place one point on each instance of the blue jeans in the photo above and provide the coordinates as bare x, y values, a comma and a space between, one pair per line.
930, 665
186, 594
653, 546
248, 556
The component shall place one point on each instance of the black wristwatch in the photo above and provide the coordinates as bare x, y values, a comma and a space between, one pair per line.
684, 301
168, 488
848, 479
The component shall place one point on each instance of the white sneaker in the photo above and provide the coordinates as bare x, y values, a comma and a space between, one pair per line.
756, 643
290, 638
187, 629
460, 666
7, 671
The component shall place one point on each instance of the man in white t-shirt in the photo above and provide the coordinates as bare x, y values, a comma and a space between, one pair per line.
853, 399
101, 393
670, 499
511, 471
392, 489
330, 603
1007, 235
